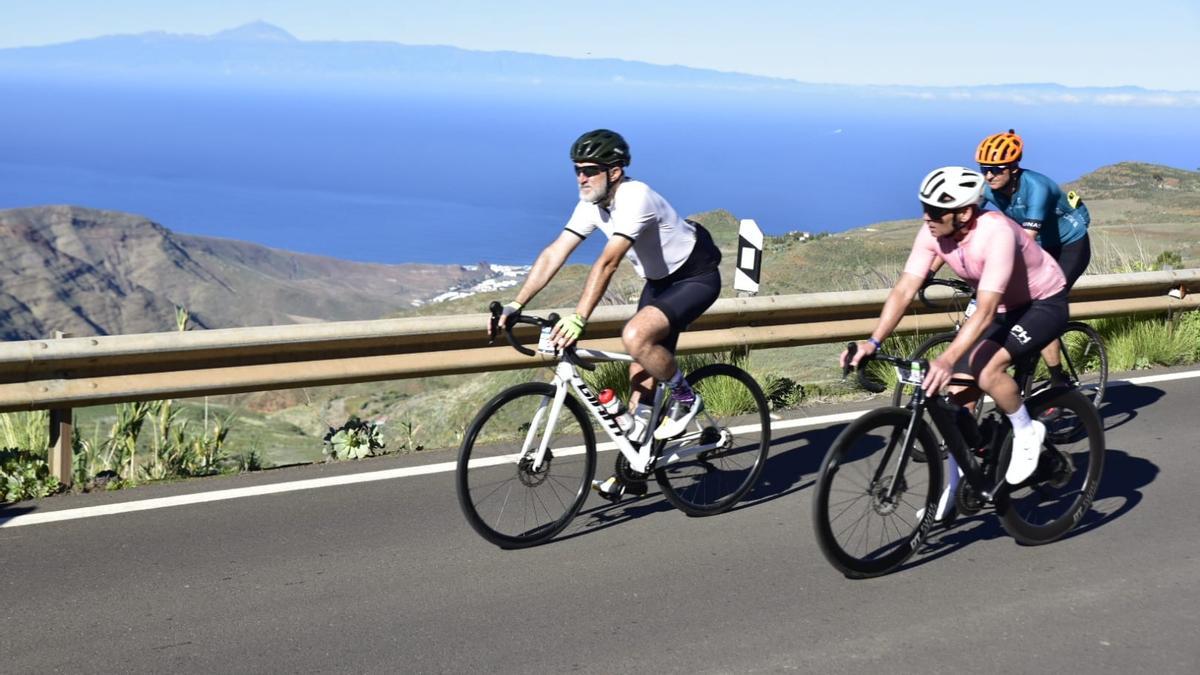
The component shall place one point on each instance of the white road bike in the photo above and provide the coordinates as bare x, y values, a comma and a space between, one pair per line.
527, 460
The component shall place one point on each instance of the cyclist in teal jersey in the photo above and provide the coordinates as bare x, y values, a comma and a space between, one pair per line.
1057, 221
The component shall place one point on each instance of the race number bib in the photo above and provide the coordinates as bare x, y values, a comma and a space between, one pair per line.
545, 345
910, 374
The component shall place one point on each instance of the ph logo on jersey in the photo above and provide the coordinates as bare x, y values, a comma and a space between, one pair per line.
1020, 334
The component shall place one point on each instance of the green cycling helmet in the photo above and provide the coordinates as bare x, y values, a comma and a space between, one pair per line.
601, 147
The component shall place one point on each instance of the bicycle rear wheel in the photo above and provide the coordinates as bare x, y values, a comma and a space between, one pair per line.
504, 497
1085, 360
1060, 491
736, 421
873, 507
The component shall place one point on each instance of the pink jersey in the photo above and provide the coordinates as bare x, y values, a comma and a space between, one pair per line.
996, 255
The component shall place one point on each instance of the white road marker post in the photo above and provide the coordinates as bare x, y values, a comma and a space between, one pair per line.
749, 258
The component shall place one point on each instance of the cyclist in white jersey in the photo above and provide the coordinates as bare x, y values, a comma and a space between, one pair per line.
676, 257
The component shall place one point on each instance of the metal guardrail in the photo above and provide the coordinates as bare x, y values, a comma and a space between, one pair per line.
63, 373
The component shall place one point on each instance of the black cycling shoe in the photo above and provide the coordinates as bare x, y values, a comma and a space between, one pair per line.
613, 488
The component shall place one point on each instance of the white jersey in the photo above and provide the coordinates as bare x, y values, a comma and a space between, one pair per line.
662, 241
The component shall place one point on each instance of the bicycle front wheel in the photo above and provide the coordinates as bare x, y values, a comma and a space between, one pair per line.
874, 506
735, 431
507, 497
1060, 491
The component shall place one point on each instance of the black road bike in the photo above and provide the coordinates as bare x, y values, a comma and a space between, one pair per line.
875, 504
1084, 358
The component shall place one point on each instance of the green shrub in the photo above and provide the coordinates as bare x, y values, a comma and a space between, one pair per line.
353, 440
1135, 343
24, 475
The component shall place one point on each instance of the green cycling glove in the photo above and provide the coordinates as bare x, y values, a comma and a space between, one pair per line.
511, 308
571, 327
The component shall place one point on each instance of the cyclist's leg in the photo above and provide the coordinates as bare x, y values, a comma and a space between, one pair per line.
990, 364
1073, 259
1029, 329
680, 302
650, 338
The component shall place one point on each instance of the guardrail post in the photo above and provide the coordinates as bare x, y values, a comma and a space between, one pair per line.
60, 451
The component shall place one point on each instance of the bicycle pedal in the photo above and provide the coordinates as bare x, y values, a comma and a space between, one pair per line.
610, 489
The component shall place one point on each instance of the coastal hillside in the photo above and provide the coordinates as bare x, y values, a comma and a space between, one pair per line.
91, 272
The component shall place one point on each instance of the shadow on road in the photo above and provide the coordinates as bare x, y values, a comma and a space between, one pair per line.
1119, 493
1121, 403
783, 473
10, 511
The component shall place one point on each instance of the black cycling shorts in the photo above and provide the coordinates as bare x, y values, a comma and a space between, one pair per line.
1025, 330
684, 295
1074, 258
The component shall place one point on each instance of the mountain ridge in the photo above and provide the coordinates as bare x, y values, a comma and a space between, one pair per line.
259, 52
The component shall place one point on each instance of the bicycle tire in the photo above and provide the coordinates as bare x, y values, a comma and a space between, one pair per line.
851, 456
489, 469
714, 481
1085, 360
1061, 490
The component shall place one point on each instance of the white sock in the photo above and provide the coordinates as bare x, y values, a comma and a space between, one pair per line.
1021, 422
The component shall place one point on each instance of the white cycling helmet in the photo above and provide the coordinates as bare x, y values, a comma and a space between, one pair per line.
952, 187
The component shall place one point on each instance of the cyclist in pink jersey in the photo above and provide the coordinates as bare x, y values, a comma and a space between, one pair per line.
1021, 300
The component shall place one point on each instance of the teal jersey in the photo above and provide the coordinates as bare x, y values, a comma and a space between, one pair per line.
1039, 204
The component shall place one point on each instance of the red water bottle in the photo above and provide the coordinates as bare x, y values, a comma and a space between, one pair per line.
612, 405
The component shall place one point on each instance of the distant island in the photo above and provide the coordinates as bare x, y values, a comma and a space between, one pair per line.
260, 52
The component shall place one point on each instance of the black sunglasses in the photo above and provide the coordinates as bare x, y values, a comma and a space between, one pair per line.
590, 171
994, 169
935, 212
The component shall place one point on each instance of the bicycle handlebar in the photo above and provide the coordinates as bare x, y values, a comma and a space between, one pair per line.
516, 318
956, 285
864, 381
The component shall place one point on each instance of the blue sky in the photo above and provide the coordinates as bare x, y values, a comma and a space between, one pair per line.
1149, 43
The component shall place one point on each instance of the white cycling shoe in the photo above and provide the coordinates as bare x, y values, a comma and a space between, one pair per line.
1026, 448
677, 418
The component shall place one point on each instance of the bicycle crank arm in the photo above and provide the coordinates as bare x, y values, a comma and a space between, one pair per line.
675, 451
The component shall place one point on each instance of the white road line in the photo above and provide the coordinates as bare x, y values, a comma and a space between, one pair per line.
389, 474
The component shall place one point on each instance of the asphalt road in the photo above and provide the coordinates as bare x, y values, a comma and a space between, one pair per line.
386, 576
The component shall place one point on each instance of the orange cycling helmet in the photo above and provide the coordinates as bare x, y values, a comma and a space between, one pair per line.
1002, 148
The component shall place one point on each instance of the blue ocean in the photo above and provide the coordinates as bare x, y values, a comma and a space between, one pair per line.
396, 176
